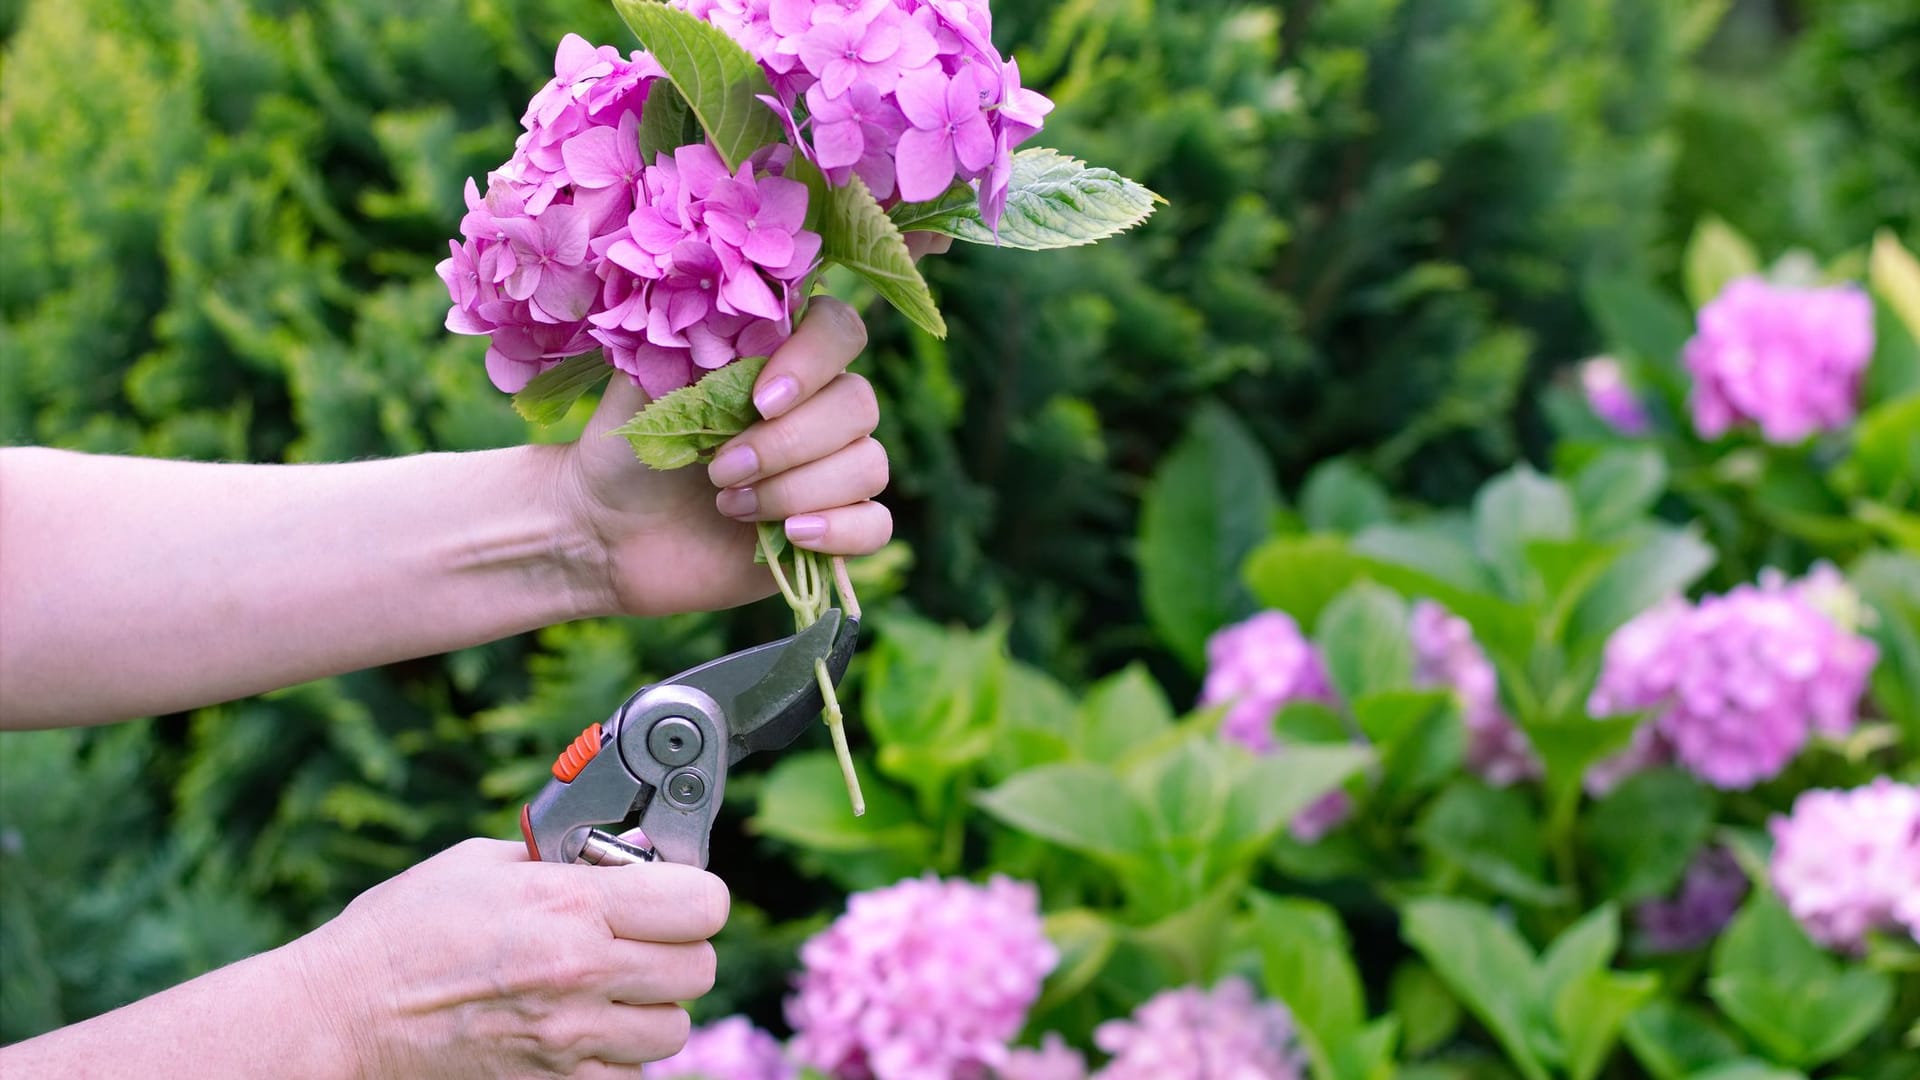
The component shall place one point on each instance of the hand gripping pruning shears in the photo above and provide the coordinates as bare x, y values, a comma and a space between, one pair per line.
659, 763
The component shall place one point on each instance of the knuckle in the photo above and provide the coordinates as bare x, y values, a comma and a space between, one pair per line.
866, 402
875, 469
712, 904
883, 530
669, 1026
703, 968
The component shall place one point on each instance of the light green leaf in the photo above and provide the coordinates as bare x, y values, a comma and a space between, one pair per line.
932, 698
718, 79
1645, 322
687, 425
1617, 488
1078, 806
1487, 965
1895, 276
1363, 637
1643, 833
1493, 834
1673, 1040
1276, 787
804, 802
546, 399
1305, 963
1420, 736
1423, 1004
1514, 509
1341, 497
1211, 500
1715, 256
1301, 575
1121, 712
1589, 1013
1662, 562
1053, 201
858, 235
1800, 1004
1746, 1069
1582, 949
1085, 940
1036, 721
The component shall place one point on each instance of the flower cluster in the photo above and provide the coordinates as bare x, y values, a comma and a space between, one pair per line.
729, 1049
1847, 862
1445, 654
1194, 1034
1054, 1060
1604, 383
1789, 359
909, 95
671, 267
921, 980
1257, 667
1738, 683
1709, 894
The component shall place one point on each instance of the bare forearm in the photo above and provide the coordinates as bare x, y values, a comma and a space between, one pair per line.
254, 1018
131, 587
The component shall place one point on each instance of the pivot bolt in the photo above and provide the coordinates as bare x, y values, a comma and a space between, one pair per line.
686, 789
674, 741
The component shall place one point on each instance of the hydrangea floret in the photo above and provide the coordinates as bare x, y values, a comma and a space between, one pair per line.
1709, 894
1445, 654
1788, 359
1737, 684
728, 1049
1196, 1034
920, 980
1847, 863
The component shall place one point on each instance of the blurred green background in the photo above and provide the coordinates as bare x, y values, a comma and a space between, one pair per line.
219, 218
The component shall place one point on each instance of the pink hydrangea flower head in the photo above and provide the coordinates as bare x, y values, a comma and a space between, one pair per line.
1737, 684
1256, 668
1054, 1060
1227, 1033
1446, 655
1708, 896
1788, 359
729, 1049
921, 980
1848, 862
1610, 397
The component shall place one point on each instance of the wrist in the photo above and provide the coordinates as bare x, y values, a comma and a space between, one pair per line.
342, 1027
578, 568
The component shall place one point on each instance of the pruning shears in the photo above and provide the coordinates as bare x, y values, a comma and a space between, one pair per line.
659, 763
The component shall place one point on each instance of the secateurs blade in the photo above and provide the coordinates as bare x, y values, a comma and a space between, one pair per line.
658, 765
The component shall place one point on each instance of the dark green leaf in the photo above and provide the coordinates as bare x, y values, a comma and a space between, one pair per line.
1210, 502
1675, 1040
1582, 949
1747, 1069
1648, 324
1512, 510
1643, 834
715, 76
1619, 487
1493, 835
666, 123
1305, 964
1788, 995
687, 425
1420, 736
1890, 583
1053, 201
1428, 1013
858, 235
1086, 940
1276, 787
548, 397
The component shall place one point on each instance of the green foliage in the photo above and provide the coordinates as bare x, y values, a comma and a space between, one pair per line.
717, 78
1053, 201
689, 424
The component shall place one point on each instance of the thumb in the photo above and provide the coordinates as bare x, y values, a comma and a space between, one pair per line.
622, 399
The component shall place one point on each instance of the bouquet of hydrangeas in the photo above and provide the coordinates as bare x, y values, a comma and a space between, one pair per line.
667, 213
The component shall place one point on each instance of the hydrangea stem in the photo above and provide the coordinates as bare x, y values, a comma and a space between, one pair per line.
809, 592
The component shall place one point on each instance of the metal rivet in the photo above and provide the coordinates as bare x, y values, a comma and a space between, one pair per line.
674, 741
686, 788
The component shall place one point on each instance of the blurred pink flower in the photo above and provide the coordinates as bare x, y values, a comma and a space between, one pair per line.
729, 1049
1227, 1033
1788, 359
1847, 862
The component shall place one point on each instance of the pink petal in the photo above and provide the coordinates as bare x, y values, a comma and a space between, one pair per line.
509, 375
783, 204
709, 349
593, 157
769, 247
746, 293
923, 164
806, 248
566, 293
922, 96
837, 145
565, 229
973, 144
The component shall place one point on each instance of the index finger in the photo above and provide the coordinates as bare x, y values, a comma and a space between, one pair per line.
660, 901
822, 346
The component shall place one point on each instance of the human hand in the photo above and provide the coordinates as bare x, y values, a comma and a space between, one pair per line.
479, 963
684, 540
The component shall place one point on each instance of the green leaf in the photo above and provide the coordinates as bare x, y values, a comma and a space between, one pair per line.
1675, 1040
1894, 371
1078, 806
1746, 1069
1037, 721
1590, 1011
1487, 965
1120, 713
1209, 503
1790, 997
1274, 788
1301, 575
667, 123
1053, 201
1645, 322
1662, 562
1513, 509
1643, 833
1886, 451
1617, 488
858, 235
1891, 584
1428, 1013
1363, 637
1582, 949
1341, 497
1715, 256
1895, 276
1420, 736
1085, 940
1493, 835
1306, 964
550, 394
932, 699
687, 425
803, 801
718, 79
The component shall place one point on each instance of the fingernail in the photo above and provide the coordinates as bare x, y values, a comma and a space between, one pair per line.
738, 502
776, 397
733, 466
806, 527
